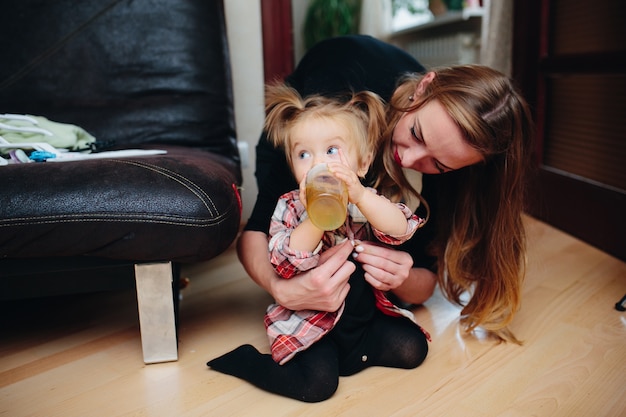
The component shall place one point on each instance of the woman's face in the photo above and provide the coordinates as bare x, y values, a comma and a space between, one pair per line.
427, 140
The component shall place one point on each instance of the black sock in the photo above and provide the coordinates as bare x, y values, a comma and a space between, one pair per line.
310, 376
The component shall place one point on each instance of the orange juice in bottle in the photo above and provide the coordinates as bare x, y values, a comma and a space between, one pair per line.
327, 198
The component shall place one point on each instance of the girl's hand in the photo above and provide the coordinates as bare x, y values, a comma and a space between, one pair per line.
343, 171
385, 268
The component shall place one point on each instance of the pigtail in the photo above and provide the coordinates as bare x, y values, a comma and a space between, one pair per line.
373, 108
282, 105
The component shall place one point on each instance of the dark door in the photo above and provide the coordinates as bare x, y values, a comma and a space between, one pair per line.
277, 39
570, 60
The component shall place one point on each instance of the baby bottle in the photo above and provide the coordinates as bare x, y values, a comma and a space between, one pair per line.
327, 198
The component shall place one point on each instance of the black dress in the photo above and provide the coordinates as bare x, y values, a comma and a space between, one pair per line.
334, 66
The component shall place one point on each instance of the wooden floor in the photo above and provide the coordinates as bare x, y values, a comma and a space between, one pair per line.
81, 355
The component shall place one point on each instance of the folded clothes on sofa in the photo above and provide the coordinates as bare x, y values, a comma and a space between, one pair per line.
45, 140
16, 129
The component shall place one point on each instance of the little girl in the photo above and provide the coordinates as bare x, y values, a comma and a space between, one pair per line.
311, 349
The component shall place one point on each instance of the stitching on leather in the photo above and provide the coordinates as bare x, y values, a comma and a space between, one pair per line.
184, 181
103, 218
72, 218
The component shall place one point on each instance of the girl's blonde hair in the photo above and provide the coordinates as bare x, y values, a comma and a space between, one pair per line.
363, 113
480, 246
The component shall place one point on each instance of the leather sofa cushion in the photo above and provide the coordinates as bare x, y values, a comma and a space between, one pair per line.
182, 206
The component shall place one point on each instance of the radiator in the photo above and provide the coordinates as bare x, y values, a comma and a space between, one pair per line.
456, 48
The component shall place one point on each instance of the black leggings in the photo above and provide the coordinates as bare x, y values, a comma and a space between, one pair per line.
363, 337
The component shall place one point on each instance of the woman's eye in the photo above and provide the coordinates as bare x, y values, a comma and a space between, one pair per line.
417, 138
333, 150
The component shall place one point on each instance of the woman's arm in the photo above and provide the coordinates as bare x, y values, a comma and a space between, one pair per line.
418, 287
323, 288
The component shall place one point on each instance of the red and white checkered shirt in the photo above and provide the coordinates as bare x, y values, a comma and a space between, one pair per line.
291, 331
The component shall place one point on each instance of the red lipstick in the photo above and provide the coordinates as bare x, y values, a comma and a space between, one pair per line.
396, 157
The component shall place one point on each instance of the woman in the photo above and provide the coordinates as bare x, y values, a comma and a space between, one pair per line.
467, 123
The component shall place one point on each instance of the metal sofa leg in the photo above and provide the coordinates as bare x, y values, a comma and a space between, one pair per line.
157, 320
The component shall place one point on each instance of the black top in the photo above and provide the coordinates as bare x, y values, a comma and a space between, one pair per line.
334, 66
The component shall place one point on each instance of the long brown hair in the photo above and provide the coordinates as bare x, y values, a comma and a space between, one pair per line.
480, 245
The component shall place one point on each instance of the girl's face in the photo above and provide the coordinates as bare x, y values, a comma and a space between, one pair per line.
318, 140
427, 140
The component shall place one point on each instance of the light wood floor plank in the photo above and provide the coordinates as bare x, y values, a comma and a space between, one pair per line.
81, 355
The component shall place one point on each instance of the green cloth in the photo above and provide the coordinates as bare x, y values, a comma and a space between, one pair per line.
61, 135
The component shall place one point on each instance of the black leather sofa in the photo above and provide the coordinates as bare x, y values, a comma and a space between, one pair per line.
140, 74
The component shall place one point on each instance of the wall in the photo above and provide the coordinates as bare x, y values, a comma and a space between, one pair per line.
298, 13
243, 22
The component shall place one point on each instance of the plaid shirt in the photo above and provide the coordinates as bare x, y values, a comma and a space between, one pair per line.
291, 331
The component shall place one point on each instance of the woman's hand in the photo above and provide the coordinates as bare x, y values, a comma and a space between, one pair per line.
392, 270
385, 268
323, 288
